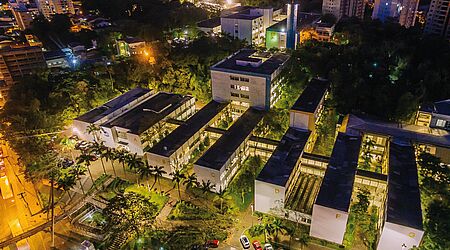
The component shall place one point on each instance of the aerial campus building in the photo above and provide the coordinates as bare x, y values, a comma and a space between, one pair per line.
367, 155
135, 120
248, 78
277, 185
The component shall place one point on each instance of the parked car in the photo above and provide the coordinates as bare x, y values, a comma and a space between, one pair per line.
245, 242
212, 243
256, 245
267, 246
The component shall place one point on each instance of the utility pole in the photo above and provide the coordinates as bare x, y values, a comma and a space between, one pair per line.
53, 210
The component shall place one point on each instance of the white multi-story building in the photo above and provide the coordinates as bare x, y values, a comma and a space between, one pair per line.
52, 7
248, 24
135, 120
340, 8
248, 78
438, 18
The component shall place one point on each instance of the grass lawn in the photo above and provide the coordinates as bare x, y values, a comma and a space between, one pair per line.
117, 186
242, 188
157, 198
185, 210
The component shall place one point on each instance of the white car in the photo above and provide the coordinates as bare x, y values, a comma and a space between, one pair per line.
267, 246
245, 242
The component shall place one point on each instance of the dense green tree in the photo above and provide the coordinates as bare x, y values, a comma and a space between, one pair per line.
130, 213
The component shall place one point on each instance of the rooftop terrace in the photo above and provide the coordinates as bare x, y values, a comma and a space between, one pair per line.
148, 113
337, 185
403, 198
181, 135
98, 113
219, 153
280, 165
263, 64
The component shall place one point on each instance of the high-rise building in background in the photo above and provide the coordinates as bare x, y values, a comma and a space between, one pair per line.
17, 61
52, 7
402, 11
438, 18
24, 15
340, 8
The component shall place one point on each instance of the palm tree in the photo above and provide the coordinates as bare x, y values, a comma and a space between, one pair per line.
177, 177
277, 227
110, 154
222, 196
93, 129
145, 171
86, 159
122, 156
303, 240
134, 162
190, 181
206, 186
98, 149
159, 172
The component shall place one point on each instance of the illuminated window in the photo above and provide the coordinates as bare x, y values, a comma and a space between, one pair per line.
440, 123
277, 190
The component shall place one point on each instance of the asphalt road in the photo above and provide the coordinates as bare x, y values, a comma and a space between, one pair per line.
24, 206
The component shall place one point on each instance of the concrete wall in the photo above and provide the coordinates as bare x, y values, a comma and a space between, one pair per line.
160, 161
328, 224
221, 89
79, 129
244, 28
397, 237
268, 197
302, 120
205, 174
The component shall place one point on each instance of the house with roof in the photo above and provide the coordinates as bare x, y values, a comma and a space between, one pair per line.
248, 78
434, 115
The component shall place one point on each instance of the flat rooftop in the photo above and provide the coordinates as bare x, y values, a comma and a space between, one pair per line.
304, 20
243, 16
280, 165
113, 105
403, 198
172, 142
441, 107
310, 98
337, 185
426, 135
269, 62
148, 113
216, 156
209, 23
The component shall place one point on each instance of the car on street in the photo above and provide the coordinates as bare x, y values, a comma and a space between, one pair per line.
212, 243
256, 245
267, 246
5, 188
245, 242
